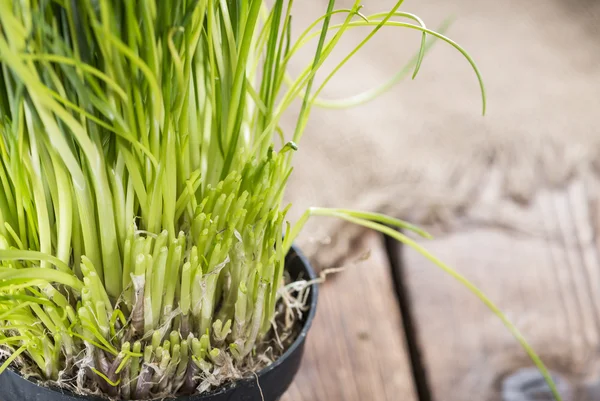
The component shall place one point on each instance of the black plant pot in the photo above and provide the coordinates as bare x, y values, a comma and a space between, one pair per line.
274, 380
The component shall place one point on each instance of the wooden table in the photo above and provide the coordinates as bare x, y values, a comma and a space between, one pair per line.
396, 328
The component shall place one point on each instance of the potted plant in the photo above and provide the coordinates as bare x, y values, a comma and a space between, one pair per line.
143, 238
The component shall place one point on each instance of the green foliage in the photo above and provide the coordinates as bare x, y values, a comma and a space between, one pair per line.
143, 169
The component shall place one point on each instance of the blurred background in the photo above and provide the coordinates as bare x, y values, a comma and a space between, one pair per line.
512, 199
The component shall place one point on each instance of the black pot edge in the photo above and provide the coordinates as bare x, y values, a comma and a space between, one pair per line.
299, 342
314, 294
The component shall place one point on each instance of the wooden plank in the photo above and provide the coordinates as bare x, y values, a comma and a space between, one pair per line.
547, 282
355, 349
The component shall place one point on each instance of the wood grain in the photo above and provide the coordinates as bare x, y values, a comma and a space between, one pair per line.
548, 283
355, 349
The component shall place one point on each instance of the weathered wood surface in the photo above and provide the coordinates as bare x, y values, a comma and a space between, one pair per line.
355, 349
545, 276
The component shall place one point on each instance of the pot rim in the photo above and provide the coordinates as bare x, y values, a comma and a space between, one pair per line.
294, 252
